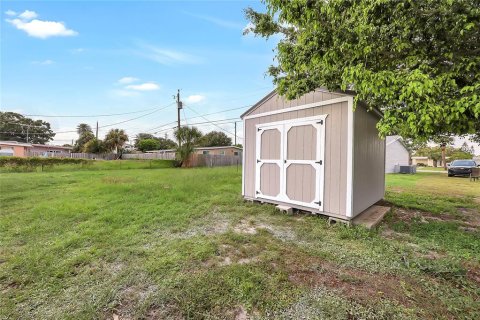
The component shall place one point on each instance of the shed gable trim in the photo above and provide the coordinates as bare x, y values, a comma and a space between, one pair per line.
301, 107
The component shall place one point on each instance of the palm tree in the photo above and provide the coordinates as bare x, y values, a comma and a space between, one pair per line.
83, 128
187, 139
115, 139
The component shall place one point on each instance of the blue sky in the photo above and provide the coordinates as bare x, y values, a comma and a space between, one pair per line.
93, 57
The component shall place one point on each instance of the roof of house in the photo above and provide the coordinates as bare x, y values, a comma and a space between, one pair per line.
391, 139
15, 143
213, 148
23, 144
197, 148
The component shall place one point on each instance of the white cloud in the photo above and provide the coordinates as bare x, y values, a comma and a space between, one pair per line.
44, 62
40, 28
127, 80
10, 13
147, 86
28, 15
166, 56
195, 98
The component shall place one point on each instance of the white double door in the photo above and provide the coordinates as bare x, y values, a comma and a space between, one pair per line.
290, 161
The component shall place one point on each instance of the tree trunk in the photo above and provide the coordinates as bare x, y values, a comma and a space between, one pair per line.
444, 162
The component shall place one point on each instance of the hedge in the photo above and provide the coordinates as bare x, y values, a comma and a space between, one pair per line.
34, 162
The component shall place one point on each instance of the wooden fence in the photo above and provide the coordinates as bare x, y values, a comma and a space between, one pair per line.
149, 156
91, 156
196, 160
213, 160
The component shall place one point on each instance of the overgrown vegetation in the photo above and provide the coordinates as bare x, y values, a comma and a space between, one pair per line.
17, 164
32, 163
173, 244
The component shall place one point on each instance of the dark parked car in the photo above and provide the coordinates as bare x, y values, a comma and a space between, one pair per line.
461, 168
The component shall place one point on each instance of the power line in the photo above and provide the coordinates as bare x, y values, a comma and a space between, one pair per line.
209, 120
86, 116
108, 125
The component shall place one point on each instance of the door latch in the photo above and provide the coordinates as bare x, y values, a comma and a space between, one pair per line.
319, 162
319, 203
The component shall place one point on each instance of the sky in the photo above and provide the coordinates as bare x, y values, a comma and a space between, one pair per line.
63, 58
96, 58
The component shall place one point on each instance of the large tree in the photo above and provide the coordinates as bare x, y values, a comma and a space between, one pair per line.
148, 145
188, 138
215, 139
16, 127
115, 139
416, 60
85, 135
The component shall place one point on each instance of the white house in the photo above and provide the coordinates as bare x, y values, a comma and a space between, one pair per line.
396, 154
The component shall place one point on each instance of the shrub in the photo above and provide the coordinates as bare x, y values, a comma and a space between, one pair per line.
32, 163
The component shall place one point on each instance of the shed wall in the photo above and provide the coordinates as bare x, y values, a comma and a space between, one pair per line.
368, 161
335, 145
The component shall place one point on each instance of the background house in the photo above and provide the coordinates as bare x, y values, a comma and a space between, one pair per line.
396, 154
424, 161
21, 149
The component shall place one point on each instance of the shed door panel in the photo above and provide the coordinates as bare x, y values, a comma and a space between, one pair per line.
290, 162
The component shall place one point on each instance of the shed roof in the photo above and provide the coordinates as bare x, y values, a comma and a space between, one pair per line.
274, 92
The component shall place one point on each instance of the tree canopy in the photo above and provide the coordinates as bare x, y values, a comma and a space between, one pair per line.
188, 138
85, 135
416, 60
148, 144
16, 127
215, 139
163, 143
115, 139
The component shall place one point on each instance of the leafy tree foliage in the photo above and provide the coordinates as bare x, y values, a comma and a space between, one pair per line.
416, 60
141, 136
95, 146
148, 144
215, 139
115, 139
14, 127
165, 143
85, 134
188, 138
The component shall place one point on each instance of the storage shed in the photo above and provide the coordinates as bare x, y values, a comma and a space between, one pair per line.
397, 154
314, 153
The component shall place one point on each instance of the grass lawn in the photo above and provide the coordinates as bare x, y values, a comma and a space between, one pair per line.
181, 243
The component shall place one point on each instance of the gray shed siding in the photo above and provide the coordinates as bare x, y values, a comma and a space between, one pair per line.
368, 161
396, 155
335, 166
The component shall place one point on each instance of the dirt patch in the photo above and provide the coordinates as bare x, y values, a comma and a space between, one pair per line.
473, 272
467, 217
281, 233
356, 284
241, 314
246, 227
228, 255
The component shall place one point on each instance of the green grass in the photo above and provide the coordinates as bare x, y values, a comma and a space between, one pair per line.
181, 243
430, 169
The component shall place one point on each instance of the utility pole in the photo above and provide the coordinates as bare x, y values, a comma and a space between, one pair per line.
96, 132
235, 133
179, 107
27, 132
